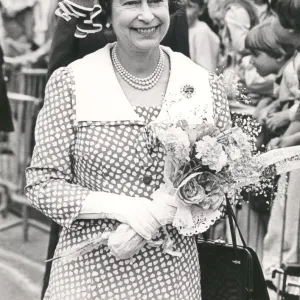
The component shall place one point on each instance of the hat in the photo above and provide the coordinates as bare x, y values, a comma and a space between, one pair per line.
86, 11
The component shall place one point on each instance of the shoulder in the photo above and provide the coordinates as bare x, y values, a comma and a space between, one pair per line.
60, 87
60, 77
201, 31
187, 66
88, 60
201, 26
236, 12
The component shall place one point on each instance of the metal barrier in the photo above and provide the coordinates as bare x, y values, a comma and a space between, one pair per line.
15, 159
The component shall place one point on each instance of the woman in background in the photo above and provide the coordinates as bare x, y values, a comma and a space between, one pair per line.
204, 43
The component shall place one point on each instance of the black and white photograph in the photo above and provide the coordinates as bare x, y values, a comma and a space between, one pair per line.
149, 149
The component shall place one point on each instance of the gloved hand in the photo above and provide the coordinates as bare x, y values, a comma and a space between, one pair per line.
137, 212
125, 242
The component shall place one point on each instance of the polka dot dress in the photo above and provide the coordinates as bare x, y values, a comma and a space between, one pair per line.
69, 160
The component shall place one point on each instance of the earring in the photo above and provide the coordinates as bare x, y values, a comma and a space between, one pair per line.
108, 25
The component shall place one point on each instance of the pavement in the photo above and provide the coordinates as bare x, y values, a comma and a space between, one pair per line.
21, 263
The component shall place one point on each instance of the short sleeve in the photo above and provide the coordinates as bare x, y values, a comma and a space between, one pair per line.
221, 110
51, 184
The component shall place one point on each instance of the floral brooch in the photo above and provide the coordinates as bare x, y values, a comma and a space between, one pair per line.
188, 91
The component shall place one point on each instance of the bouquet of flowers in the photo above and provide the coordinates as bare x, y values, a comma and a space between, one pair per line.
202, 166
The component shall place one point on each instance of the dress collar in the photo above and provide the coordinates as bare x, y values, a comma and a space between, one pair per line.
99, 95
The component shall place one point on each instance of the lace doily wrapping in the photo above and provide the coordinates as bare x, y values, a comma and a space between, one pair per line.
194, 220
86, 11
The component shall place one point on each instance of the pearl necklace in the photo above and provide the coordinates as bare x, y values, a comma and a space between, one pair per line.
139, 83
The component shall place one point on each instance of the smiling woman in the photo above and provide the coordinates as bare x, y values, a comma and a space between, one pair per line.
95, 166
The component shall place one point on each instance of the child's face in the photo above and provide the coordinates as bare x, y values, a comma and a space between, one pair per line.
265, 64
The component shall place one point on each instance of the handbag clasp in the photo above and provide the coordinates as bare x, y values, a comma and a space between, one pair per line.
220, 242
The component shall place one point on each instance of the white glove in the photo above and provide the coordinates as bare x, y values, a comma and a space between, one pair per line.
125, 242
134, 211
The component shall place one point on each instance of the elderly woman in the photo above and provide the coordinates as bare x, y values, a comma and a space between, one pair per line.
93, 167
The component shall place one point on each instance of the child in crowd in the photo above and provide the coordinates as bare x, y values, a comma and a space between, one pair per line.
203, 42
270, 54
288, 16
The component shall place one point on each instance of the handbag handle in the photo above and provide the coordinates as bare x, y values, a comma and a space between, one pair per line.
232, 221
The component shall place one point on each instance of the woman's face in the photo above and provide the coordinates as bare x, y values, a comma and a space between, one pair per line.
140, 24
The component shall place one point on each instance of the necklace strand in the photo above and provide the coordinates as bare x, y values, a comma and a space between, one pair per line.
140, 83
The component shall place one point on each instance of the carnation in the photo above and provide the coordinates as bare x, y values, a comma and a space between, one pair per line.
176, 140
211, 153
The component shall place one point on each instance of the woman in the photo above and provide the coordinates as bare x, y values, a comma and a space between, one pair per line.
203, 42
91, 168
66, 48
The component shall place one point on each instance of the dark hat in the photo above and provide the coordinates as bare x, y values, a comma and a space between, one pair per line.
86, 11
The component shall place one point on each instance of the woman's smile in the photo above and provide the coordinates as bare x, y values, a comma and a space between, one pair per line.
145, 31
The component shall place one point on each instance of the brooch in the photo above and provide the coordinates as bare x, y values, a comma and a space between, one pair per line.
188, 91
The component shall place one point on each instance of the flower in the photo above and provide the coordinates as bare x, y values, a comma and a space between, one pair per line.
176, 140
211, 153
191, 193
233, 152
241, 140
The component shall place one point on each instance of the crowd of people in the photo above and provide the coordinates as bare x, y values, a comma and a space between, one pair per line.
257, 41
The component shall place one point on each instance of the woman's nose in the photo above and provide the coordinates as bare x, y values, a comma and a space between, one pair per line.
146, 14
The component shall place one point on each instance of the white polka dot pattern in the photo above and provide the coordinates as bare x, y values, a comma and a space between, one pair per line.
70, 160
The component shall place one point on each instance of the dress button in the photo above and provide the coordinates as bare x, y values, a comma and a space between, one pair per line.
147, 179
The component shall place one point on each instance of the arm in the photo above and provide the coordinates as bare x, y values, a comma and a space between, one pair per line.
50, 177
294, 127
290, 140
51, 182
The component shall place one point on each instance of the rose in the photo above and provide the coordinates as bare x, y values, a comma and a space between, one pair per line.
214, 193
191, 193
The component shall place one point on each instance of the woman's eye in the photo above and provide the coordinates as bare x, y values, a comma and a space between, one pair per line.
131, 2
155, 1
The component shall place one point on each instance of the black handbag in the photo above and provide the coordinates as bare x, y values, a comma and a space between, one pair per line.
230, 272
